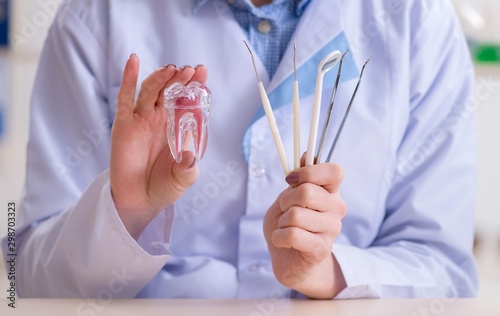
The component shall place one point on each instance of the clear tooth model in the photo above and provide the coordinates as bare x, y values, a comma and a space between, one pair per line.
188, 111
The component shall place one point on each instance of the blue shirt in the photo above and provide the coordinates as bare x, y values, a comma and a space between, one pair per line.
407, 151
269, 28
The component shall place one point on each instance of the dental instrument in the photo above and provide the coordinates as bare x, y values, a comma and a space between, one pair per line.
270, 117
296, 111
346, 114
319, 151
324, 66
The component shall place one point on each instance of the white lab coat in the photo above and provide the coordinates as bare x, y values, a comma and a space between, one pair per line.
407, 151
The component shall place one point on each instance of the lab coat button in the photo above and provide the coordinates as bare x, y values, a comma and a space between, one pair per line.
264, 26
254, 267
258, 172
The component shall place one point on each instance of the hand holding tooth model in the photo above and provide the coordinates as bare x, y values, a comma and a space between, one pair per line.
144, 175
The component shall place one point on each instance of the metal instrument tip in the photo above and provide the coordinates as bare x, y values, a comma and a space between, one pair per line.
295, 59
253, 61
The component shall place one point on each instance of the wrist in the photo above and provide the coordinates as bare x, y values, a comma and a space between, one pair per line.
134, 224
326, 282
134, 218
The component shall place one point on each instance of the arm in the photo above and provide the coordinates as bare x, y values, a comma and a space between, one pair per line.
79, 231
74, 242
424, 245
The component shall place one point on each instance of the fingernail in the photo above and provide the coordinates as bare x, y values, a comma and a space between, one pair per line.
169, 65
184, 67
199, 65
292, 178
133, 54
193, 164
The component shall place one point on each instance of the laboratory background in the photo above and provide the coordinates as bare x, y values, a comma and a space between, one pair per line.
23, 28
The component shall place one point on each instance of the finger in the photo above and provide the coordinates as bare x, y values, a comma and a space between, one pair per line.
186, 172
308, 195
315, 245
182, 76
151, 88
329, 224
126, 94
200, 74
327, 175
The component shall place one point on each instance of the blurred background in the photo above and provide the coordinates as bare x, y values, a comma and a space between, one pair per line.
23, 28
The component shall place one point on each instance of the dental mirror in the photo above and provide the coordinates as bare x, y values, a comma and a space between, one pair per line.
324, 66
329, 62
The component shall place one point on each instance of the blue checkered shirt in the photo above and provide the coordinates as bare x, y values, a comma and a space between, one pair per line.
269, 28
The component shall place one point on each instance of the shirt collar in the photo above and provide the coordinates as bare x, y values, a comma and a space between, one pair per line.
197, 4
301, 5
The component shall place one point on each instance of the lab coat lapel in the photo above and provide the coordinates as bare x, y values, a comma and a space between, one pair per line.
318, 33
320, 23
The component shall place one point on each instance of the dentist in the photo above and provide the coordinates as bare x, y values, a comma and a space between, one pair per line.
105, 201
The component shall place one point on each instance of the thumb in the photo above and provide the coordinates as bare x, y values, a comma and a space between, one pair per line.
186, 172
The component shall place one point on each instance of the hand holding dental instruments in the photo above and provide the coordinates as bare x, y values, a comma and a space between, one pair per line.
312, 156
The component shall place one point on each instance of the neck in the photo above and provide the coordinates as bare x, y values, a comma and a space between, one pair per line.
259, 3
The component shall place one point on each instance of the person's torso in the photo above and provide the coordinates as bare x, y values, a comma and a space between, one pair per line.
217, 241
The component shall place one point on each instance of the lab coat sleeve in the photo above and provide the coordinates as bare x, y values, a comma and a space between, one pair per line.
424, 246
72, 242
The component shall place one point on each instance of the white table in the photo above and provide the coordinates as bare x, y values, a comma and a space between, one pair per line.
426, 307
